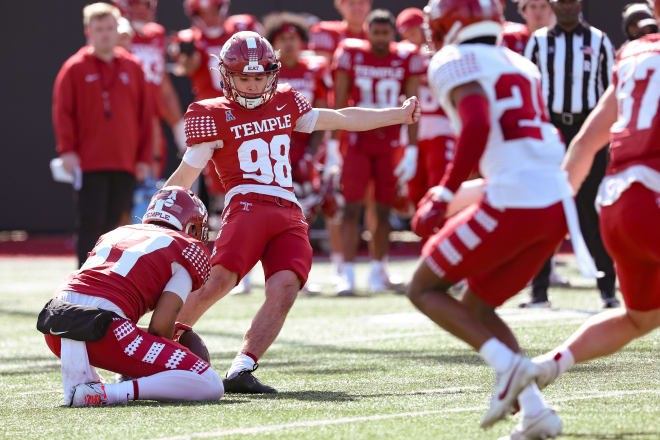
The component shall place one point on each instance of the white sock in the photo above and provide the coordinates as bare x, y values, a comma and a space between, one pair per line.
349, 272
531, 400
337, 260
241, 362
120, 392
564, 359
496, 354
377, 266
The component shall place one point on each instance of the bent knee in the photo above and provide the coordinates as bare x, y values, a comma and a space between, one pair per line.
645, 321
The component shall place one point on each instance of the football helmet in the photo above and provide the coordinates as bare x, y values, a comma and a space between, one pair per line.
456, 21
194, 7
248, 53
126, 5
180, 208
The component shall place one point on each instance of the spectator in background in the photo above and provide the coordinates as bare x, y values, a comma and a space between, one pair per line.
326, 35
586, 57
637, 20
148, 44
102, 119
537, 14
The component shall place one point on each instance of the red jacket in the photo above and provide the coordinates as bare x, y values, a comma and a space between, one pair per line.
109, 134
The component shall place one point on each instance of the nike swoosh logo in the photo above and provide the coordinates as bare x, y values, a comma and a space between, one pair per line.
508, 384
56, 333
280, 108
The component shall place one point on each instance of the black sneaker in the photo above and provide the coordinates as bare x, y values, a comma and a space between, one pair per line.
611, 303
245, 383
535, 305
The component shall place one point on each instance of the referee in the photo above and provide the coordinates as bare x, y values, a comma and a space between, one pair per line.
575, 61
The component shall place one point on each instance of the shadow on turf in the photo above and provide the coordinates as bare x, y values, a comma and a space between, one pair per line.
619, 436
309, 396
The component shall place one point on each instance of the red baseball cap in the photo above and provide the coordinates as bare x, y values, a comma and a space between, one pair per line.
409, 18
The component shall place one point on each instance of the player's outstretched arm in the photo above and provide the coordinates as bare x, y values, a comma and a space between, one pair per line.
362, 119
593, 136
185, 175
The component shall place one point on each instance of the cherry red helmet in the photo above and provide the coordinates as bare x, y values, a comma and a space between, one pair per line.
125, 7
180, 208
456, 21
248, 53
194, 7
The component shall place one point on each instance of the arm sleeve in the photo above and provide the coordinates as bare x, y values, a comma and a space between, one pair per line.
198, 156
471, 144
64, 121
307, 122
180, 283
145, 151
200, 125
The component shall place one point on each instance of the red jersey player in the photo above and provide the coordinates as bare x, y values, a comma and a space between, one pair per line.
500, 243
629, 198
325, 36
247, 133
374, 73
149, 46
435, 135
131, 271
537, 14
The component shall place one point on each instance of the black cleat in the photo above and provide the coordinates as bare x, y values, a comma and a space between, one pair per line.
245, 383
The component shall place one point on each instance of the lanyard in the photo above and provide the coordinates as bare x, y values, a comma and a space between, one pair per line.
106, 86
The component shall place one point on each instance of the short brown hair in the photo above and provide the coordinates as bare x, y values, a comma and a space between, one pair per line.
99, 10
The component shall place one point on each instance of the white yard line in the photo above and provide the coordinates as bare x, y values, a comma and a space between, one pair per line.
314, 423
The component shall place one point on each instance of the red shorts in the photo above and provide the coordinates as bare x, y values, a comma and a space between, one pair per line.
364, 162
260, 227
127, 350
497, 251
631, 234
434, 156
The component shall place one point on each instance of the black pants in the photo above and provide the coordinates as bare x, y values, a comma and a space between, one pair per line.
589, 225
104, 197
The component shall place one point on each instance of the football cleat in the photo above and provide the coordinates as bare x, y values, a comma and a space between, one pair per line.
547, 369
611, 303
88, 394
245, 383
546, 424
378, 280
507, 387
536, 305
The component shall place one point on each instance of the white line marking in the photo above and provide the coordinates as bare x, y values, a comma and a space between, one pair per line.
313, 423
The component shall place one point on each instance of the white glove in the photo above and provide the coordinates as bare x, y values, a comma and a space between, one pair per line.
407, 166
333, 160
179, 132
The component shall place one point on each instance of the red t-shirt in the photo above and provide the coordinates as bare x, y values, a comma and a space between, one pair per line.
515, 36
311, 77
255, 143
634, 136
377, 82
131, 265
110, 134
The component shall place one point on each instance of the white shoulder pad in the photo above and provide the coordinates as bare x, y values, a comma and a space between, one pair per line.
453, 66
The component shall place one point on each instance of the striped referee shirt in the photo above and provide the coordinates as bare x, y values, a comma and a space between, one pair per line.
576, 66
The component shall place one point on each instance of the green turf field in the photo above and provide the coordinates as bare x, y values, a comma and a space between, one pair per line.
346, 368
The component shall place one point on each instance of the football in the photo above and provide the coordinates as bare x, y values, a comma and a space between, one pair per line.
193, 342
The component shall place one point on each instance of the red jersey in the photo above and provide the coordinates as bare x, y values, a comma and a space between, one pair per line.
635, 134
515, 36
311, 77
149, 48
325, 36
131, 265
102, 111
377, 82
253, 155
